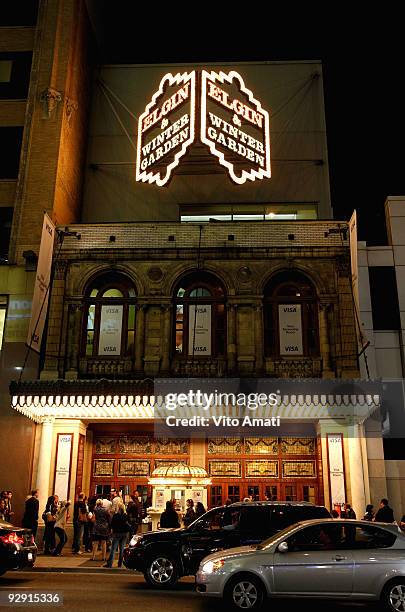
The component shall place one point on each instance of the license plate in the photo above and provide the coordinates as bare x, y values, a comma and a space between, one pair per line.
30, 557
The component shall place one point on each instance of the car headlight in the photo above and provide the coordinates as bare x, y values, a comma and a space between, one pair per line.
135, 540
212, 566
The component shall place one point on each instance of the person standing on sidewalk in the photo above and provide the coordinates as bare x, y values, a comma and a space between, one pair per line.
30, 518
79, 519
120, 528
134, 512
101, 531
60, 527
49, 517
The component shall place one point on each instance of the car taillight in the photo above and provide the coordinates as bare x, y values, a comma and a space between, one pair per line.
12, 538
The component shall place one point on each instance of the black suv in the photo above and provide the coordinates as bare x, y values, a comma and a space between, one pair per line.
164, 556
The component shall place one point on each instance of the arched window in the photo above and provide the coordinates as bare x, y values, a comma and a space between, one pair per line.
109, 317
200, 321
290, 316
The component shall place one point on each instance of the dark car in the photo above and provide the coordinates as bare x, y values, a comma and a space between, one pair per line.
17, 547
166, 555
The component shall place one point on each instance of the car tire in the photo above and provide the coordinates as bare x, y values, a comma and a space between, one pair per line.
393, 592
244, 592
161, 571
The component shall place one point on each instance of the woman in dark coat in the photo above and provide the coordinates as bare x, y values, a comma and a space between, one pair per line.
199, 510
49, 517
189, 517
169, 517
101, 531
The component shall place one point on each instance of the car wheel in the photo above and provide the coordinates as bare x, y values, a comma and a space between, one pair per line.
393, 596
244, 592
161, 572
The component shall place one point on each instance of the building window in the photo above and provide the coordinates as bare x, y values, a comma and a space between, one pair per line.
19, 13
15, 73
109, 318
3, 312
6, 219
384, 298
200, 320
11, 140
290, 316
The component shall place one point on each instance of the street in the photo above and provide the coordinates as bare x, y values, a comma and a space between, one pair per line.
98, 592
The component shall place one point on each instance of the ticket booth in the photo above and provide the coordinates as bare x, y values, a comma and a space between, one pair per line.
177, 483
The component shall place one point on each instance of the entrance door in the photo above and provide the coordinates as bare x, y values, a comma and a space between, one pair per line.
299, 491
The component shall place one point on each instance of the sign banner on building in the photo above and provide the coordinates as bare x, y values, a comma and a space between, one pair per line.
110, 330
166, 128
232, 123
41, 289
354, 268
199, 330
290, 329
336, 470
234, 126
63, 463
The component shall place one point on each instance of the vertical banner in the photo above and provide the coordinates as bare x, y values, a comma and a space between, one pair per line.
336, 470
63, 463
41, 289
110, 330
290, 329
199, 339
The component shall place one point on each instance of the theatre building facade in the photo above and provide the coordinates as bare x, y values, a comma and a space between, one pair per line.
206, 249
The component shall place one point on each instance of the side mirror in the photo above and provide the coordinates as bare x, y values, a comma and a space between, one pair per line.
282, 547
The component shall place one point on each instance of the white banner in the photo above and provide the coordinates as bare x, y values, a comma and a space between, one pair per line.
199, 341
290, 329
110, 330
336, 470
62, 472
41, 289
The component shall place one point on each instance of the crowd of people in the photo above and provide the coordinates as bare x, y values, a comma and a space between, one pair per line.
106, 523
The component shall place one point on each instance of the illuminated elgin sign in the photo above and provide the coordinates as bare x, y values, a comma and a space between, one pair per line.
232, 123
166, 128
235, 126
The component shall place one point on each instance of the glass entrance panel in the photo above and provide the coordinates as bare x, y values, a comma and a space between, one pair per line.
309, 493
234, 493
290, 492
216, 496
271, 492
102, 490
254, 492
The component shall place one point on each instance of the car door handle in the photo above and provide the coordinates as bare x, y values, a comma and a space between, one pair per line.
339, 558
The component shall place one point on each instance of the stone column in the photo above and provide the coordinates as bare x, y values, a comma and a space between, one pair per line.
324, 340
73, 340
231, 337
44, 460
359, 491
165, 364
259, 337
140, 337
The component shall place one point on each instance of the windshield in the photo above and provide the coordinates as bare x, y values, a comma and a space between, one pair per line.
277, 536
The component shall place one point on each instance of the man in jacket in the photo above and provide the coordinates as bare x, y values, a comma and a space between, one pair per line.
384, 514
30, 518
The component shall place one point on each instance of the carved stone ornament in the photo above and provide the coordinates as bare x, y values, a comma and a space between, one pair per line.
155, 273
51, 97
244, 274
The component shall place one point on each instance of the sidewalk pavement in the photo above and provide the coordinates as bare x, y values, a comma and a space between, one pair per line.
68, 562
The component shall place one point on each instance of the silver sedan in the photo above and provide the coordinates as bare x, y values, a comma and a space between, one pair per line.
324, 558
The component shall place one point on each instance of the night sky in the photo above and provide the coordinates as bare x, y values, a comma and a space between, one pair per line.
363, 66
363, 74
